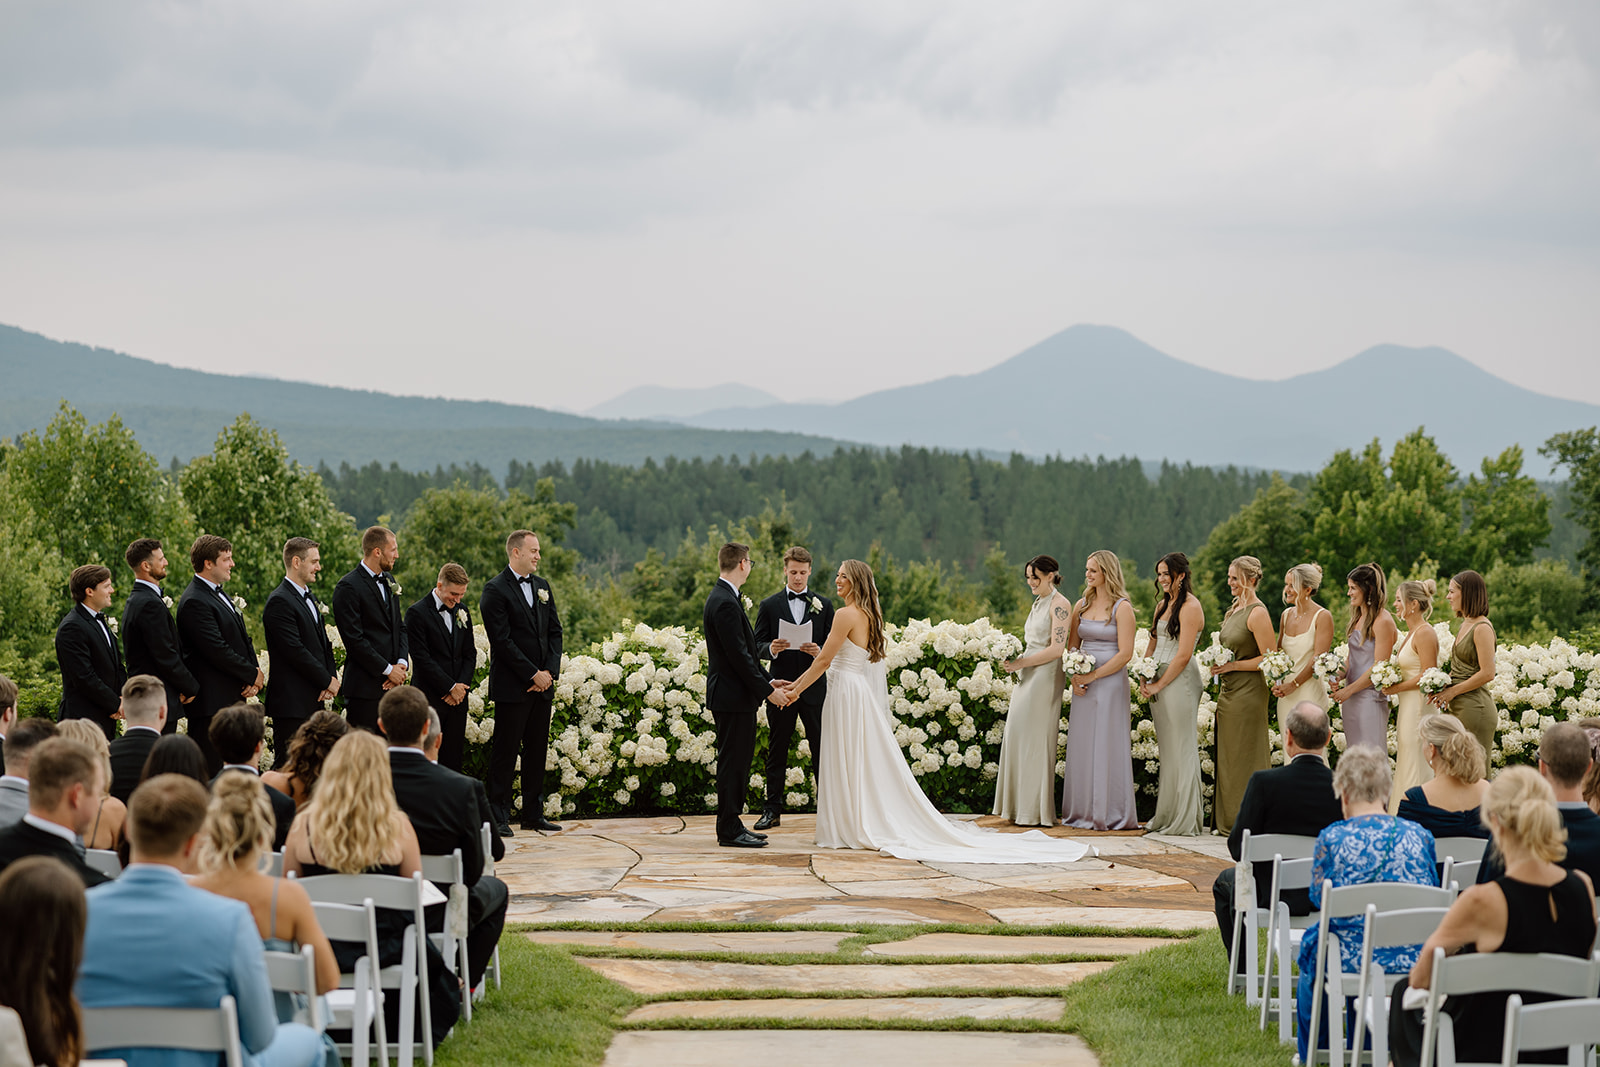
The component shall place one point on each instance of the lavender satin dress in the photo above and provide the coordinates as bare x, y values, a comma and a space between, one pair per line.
1097, 793
1366, 714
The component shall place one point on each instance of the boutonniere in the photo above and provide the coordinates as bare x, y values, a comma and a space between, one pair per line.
461, 616
239, 604
745, 601
111, 622
394, 587
544, 595
816, 605
167, 601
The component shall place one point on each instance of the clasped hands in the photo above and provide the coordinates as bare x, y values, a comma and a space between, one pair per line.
541, 682
783, 693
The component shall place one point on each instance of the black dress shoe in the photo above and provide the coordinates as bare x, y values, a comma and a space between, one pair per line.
745, 840
541, 823
768, 820
504, 829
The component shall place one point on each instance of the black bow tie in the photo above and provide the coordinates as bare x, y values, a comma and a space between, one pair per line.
525, 579
446, 608
309, 596
100, 617
796, 596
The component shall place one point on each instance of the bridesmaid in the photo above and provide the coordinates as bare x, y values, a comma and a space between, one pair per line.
1175, 700
1472, 660
1307, 632
1242, 747
1370, 636
1025, 791
1098, 791
1418, 652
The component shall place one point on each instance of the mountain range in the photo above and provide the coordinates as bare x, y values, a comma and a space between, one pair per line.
660, 402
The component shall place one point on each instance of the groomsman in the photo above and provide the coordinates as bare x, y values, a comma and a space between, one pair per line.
366, 608
216, 645
88, 652
524, 631
297, 641
797, 604
149, 636
443, 657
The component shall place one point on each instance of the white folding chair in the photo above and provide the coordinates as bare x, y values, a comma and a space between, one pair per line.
1253, 849
103, 860
1571, 977
1464, 873
295, 973
449, 870
1570, 1024
193, 1029
357, 1005
1460, 849
275, 864
1283, 942
486, 834
1385, 929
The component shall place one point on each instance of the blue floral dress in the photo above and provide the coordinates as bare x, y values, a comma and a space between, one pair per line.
1367, 848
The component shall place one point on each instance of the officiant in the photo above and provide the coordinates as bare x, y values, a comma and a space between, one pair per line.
791, 626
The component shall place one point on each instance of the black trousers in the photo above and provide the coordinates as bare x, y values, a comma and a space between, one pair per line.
486, 918
736, 746
780, 731
452, 734
520, 728
362, 713
284, 727
200, 730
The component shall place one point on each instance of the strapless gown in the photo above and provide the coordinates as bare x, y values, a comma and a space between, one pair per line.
1180, 809
868, 798
1410, 768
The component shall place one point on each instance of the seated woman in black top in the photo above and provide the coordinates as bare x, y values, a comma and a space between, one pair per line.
1536, 906
1448, 805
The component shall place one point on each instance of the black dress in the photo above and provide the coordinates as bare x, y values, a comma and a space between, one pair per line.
1440, 822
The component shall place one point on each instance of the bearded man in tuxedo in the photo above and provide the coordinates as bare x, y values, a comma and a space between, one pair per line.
216, 645
366, 609
150, 636
88, 652
797, 604
443, 657
303, 668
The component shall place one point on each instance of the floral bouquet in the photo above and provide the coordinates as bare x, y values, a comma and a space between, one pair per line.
1276, 666
1077, 661
1144, 669
1385, 672
1329, 667
1433, 681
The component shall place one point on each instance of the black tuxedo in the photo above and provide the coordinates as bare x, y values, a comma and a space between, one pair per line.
302, 661
441, 658
150, 640
91, 669
523, 640
19, 841
447, 809
736, 684
128, 755
373, 629
1583, 846
282, 806
218, 650
789, 665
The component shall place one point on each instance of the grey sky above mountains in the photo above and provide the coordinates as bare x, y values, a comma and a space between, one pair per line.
552, 203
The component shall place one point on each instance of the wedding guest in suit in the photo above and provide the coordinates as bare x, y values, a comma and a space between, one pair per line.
25, 736
8, 712
797, 604
149, 634
175, 754
1471, 660
1563, 762
1241, 720
144, 713
105, 832
216, 645
64, 790
237, 733
304, 673
88, 651
447, 811
1447, 804
41, 940
136, 922
443, 657
366, 608
1371, 638
519, 615
296, 775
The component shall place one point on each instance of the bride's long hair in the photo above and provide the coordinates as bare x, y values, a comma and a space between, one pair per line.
863, 594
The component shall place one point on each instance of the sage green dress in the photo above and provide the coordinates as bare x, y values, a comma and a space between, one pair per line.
1475, 709
1242, 747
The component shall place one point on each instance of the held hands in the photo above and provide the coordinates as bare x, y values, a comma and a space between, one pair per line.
396, 676
1080, 684
254, 687
1443, 697
782, 693
457, 694
541, 682
1010, 666
1148, 689
185, 700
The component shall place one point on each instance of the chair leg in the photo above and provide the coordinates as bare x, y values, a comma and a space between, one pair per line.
466, 981
1286, 1005
408, 1004
496, 966
360, 1020
1233, 954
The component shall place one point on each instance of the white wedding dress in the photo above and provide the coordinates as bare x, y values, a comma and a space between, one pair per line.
867, 796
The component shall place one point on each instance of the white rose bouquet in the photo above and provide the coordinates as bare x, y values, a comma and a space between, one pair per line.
1385, 672
1077, 661
1328, 667
1276, 666
1214, 656
1433, 681
1144, 669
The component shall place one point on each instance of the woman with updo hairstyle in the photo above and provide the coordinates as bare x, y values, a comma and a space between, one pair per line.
297, 775
1448, 803
1472, 660
1025, 790
1370, 637
43, 913
1305, 631
1418, 652
1535, 906
1175, 699
1243, 696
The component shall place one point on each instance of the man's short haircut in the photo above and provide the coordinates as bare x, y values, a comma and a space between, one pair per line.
375, 537
404, 714
236, 730
27, 735
1564, 749
141, 550
453, 574
142, 697
8, 694
796, 554
731, 555
57, 765
164, 813
206, 549
1308, 725
515, 538
297, 546
85, 578
435, 728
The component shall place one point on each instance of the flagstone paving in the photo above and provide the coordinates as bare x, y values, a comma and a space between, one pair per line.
830, 1048
718, 941
655, 977
922, 1009
1003, 945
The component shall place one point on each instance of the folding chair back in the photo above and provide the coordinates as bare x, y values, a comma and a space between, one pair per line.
1483, 972
1464, 873
486, 835
1283, 940
357, 1005
1570, 1024
194, 1029
104, 860
450, 870
1460, 849
1253, 849
295, 973
1385, 929
275, 864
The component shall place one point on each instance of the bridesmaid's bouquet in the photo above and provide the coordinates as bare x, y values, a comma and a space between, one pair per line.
1213, 656
1077, 661
1276, 666
1385, 672
1145, 668
1329, 667
1433, 681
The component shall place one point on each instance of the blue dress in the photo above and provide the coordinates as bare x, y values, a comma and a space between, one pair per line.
1368, 848
1097, 786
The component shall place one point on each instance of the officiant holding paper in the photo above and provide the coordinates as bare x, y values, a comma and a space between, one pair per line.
791, 626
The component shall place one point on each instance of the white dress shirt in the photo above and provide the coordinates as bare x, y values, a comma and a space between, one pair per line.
448, 616
51, 828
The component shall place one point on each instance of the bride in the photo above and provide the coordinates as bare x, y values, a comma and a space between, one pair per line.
866, 794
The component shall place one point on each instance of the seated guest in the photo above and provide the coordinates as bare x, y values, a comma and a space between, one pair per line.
144, 714
65, 784
447, 810
297, 772
1369, 845
8, 712
1591, 781
1296, 798
41, 939
1563, 762
1536, 905
175, 754
354, 826
155, 941
1447, 805
106, 830
237, 733
25, 736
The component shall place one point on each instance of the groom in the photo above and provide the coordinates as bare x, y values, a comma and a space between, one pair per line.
793, 603
736, 685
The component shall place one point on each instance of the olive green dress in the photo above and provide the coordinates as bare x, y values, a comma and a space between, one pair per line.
1242, 747
1475, 709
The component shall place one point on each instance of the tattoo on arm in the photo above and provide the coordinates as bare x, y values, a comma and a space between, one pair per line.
1061, 634
1061, 612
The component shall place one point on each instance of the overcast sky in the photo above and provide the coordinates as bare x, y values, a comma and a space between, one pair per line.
549, 203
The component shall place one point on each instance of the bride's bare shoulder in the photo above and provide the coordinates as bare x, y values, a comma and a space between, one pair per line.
847, 614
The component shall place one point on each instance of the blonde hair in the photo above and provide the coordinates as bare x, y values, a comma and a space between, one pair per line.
864, 595
1460, 753
352, 820
87, 733
1250, 571
1307, 576
239, 821
1524, 810
1419, 593
1111, 570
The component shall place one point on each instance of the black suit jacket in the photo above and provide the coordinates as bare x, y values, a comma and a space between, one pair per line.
20, 840
792, 663
91, 669
216, 647
446, 809
128, 755
282, 807
302, 656
1296, 798
440, 658
735, 679
523, 640
1583, 847
373, 629
150, 640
